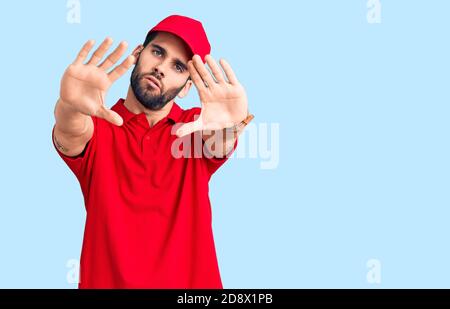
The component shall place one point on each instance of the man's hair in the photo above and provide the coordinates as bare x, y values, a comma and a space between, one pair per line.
150, 37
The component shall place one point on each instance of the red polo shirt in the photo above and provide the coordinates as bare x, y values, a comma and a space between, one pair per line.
148, 222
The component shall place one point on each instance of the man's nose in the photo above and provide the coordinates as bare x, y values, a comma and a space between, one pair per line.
159, 72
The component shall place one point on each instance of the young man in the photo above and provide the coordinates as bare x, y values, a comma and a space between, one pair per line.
144, 165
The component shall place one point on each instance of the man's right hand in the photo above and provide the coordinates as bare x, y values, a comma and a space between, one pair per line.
82, 95
84, 85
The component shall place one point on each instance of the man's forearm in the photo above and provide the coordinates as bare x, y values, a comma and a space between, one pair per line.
220, 143
70, 122
72, 130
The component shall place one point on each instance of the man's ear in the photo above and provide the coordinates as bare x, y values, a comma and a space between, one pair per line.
137, 52
185, 89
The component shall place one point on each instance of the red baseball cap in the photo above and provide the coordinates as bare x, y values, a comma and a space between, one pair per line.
191, 31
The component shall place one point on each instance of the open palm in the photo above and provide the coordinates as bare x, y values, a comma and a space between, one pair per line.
224, 101
84, 86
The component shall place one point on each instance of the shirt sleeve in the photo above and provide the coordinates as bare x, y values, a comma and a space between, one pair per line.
82, 164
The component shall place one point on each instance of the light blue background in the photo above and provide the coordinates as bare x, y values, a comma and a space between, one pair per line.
364, 156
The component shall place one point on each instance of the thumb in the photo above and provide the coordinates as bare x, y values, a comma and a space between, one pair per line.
189, 128
110, 116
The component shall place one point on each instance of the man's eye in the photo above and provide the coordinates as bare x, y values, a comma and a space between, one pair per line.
179, 68
156, 52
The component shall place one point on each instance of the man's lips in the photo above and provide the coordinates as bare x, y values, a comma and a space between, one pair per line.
154, 81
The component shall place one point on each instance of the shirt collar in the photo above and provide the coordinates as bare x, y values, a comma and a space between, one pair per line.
120, 108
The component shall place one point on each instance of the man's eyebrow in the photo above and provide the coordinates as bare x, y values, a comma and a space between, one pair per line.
161, 49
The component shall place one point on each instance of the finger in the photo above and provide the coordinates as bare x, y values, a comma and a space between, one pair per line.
229, 72
203, 71
84, 52
110, 116
100, 52
114, 56
216, 70
189, 128
198, 81
119, 70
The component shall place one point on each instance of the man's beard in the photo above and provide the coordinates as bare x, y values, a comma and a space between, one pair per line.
143, 91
